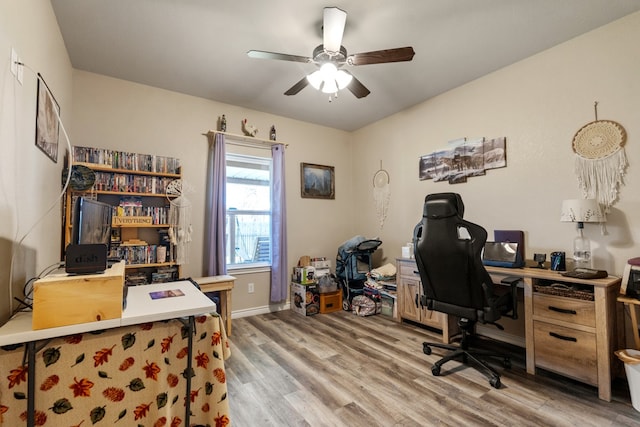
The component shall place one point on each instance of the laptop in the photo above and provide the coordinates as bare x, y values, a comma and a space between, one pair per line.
501, 254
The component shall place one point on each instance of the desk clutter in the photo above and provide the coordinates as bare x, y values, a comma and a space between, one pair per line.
362, 290
576, 291
314, 289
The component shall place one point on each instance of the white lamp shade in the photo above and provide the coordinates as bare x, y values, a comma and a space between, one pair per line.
330, 86
343, 78
581, 210
315, 79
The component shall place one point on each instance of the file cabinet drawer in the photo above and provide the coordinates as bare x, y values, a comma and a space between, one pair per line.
566, 351
564, 309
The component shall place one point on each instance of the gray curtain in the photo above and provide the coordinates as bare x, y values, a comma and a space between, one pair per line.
216, 209
279, 271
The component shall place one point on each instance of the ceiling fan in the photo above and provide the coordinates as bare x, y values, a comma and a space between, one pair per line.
331, 56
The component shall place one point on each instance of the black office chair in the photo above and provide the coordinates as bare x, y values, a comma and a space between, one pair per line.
448, 253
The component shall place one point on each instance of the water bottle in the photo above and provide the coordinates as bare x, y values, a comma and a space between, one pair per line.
581, 250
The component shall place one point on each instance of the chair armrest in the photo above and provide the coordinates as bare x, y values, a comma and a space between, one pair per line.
513, 282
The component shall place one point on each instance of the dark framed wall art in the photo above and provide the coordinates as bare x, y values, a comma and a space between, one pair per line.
317, 181
47, 126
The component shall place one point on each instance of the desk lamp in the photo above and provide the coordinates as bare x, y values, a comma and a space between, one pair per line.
581, 211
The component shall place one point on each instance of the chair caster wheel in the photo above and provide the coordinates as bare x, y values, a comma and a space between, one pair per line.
426, 349
495, 382
435, 370
506, 363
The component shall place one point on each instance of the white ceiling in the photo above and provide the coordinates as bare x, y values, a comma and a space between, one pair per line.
198, 47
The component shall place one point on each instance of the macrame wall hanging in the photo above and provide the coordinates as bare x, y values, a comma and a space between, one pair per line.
179, 219
600, 159
381, 194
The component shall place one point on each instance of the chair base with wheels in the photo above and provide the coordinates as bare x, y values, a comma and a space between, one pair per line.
465, 354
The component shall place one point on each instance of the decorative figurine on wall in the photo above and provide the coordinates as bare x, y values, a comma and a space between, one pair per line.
223, 124
248, 129
272, 134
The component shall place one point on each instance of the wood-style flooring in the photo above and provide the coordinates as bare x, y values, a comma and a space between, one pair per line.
338, 369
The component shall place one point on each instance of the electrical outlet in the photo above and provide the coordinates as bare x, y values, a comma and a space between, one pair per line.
16, 69
14, 60
251, 288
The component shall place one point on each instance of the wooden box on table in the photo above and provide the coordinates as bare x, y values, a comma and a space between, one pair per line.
60, 299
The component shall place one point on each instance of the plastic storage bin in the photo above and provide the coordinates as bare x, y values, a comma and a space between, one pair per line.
631, 359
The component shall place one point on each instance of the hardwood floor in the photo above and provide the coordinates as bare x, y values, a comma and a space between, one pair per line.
342, 370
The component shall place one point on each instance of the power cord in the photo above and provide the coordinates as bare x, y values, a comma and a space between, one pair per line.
55, 202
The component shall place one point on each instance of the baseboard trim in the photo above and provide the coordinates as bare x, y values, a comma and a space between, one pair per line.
259, 310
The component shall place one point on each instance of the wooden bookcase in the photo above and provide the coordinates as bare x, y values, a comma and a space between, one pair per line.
135, 185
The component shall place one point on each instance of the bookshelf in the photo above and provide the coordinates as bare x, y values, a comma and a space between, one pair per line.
135, 185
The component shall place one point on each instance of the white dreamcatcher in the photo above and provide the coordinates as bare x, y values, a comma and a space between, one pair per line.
381, 194
600, 159
180, 229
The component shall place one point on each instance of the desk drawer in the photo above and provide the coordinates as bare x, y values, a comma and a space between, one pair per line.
565, 309
407, 269
566, 351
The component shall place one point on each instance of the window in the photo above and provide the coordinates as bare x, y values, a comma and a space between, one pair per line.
248, 222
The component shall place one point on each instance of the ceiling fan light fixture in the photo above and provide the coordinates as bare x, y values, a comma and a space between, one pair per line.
315, 79
343, 78
330, 86
329, 79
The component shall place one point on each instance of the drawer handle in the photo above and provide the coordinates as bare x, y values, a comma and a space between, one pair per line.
562, 310
561, 337
417, 306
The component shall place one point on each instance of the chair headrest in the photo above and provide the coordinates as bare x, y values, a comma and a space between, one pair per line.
443, 205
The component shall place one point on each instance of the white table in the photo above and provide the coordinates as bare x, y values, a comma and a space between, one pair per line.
140, 308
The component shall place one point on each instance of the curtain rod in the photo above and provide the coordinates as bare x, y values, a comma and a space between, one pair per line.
248, 141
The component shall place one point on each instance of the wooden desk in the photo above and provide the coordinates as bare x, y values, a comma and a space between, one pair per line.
569, 336
632, 304
572, 337
223, 284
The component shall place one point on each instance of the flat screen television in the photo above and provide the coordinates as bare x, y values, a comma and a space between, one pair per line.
90, 237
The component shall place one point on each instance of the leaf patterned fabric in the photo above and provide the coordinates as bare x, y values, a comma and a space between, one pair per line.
133, 375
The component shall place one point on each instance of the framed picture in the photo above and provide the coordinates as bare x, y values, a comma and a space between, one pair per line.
495, 153
317, 181
47, 130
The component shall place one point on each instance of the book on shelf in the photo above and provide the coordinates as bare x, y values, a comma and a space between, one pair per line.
125, 160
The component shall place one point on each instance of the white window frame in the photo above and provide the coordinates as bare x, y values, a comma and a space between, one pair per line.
233, 213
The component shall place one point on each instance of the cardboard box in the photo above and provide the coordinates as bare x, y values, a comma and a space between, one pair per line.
304, 275
321, 263
331, 302
305, 299
60, 299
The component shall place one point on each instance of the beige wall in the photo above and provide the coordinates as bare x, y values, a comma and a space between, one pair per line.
537, 104
122, 115
29, 181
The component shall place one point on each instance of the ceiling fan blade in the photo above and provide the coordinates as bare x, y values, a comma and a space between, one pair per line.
333, 28
381, 56
358, 89
298, 86
261, 54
